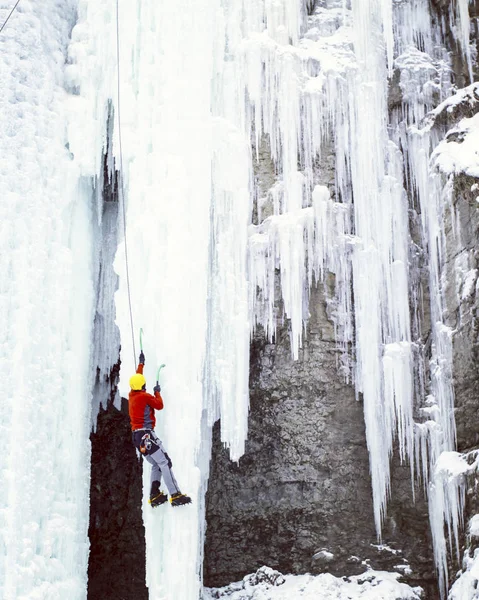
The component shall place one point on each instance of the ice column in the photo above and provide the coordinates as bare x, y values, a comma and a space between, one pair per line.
447, 502
227, 365
46, 302
379, 258
168, 169
431, 193
462, 29
186, 176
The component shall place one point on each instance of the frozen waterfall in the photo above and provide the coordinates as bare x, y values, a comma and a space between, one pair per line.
205, 87
46, 296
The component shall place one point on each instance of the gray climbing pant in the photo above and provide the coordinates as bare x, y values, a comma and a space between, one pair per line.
152, 449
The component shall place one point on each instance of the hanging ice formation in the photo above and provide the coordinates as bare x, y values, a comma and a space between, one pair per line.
203, 94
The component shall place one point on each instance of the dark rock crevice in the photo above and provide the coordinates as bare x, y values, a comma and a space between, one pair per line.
116, 569
302, 491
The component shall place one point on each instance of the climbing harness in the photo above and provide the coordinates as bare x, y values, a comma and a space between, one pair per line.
121, 186
11, 13
145, 444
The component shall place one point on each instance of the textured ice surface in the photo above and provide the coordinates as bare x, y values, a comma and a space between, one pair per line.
46, 303
447, 501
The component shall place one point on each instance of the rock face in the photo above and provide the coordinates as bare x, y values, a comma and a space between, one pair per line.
462, 300
463, 306
299, 500
117, 537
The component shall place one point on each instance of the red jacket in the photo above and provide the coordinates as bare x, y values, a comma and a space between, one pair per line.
142, 406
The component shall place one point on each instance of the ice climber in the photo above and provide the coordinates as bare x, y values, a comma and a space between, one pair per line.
142, 407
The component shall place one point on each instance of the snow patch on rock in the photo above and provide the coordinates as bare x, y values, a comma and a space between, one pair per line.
271, 585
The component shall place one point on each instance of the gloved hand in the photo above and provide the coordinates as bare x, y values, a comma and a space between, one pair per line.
142, 358
157, 388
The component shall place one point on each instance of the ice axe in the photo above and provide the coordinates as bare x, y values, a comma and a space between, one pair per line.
158, 374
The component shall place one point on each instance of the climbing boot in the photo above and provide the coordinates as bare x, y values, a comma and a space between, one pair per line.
179, 499
157, 497
160, 498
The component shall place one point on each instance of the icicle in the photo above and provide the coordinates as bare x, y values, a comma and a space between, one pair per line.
445, 494
188, 174
332, 253
229, 326
261, 276
398, 395
283, 20
386, 8
463, 31
446, 505
302, 244
281, 242
379, 259
413, 28
47, 306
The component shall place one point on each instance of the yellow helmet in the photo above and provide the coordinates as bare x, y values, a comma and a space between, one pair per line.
137, 381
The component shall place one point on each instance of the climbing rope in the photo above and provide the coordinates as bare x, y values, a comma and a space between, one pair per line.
121, 191
11, 13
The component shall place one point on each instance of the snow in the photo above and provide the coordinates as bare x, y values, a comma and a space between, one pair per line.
465, 587
466, 278
468, 95
267, 584
385, 548
460, 156
323, 555
466, 583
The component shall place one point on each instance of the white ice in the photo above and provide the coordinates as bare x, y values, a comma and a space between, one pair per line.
466, 584
461, 27
46, 302
447, 501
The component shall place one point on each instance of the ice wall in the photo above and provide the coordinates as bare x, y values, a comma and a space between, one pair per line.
186, 181
199, 91
46, 300
106, 229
